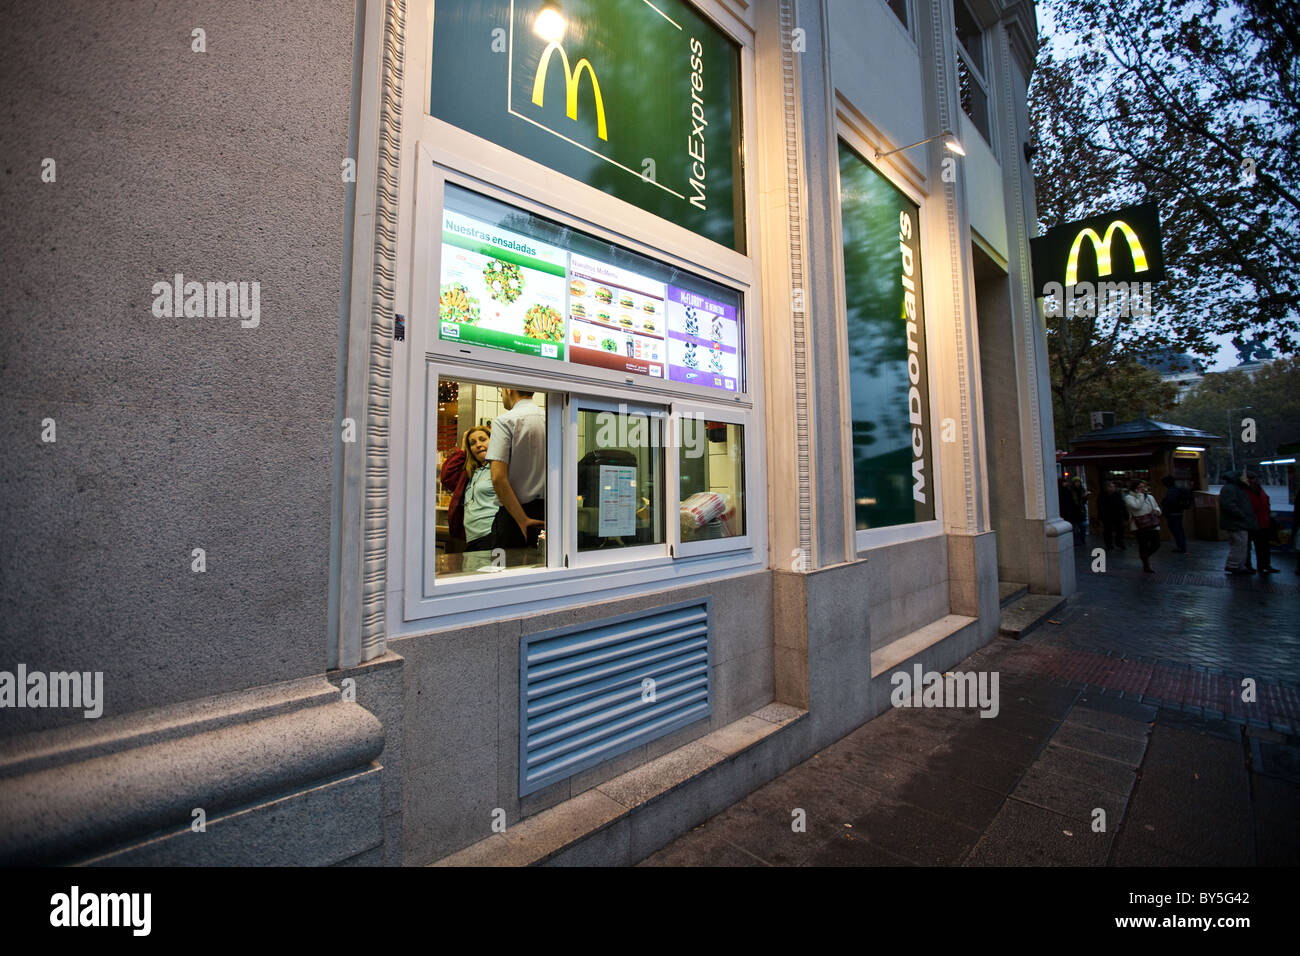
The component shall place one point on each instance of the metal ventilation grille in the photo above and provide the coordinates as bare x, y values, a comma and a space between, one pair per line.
588, 693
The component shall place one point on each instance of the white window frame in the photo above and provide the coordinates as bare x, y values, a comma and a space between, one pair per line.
663, 564
597, 557
420, 578
867, 539
730, 416
977, 74
434, 153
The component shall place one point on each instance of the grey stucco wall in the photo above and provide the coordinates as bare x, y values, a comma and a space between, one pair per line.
172, 434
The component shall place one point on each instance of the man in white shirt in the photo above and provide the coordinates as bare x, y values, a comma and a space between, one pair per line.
517, 457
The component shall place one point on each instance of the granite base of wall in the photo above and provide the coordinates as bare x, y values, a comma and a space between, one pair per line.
829, 622
1052, 558
282, 774
460, 749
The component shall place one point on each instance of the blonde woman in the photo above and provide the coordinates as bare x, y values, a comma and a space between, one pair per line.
1144, 519
473, 501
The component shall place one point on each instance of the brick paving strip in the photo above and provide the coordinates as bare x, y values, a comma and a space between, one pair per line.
1171, 685
1266, 585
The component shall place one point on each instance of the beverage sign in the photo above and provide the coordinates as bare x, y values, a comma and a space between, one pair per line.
703, 341
635, 98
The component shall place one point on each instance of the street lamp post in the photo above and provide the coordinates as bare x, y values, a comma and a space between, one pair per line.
1232, 445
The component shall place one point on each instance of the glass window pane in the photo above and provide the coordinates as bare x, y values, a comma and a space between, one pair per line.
974, 101
620, 490
900, 10
893, 477
473, 531
712, 460
969, 34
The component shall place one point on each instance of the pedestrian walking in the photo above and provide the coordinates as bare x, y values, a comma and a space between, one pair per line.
1080, 505
1114, 516
1069, 503
1144, 520
1177, 500
1237, 517
1262, 535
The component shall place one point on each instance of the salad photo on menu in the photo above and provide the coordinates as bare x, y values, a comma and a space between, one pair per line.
501, 289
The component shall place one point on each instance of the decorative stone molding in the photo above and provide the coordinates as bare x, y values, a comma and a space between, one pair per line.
358, 552
383, 300
74, 792
941, 38
799, 317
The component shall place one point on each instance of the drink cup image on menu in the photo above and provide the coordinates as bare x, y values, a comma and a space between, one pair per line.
703, 340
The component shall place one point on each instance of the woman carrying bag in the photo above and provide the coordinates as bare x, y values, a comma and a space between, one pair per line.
1144, 519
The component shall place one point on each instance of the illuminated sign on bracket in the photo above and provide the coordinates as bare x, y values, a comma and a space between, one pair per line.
1120, 246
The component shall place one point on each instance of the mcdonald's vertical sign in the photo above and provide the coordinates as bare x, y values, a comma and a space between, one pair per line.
638, 99
1119, 246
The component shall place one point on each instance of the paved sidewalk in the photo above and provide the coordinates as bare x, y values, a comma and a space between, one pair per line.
1121, 740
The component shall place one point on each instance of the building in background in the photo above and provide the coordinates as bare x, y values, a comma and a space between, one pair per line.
1182, 369
790, 416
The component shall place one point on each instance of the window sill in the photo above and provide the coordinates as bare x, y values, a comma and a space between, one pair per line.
867, 541
540, 590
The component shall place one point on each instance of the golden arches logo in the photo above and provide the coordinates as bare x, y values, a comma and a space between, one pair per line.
1102, 247
571, 78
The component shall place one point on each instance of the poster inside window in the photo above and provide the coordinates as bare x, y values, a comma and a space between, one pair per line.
893, 474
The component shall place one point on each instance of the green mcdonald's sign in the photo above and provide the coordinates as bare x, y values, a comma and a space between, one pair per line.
638, 99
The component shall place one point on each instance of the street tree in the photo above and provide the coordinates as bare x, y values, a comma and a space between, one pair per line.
1119, 384
1195, 104
1263, 408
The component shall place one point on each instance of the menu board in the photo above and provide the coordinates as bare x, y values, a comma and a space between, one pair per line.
508, 291
703, 340
616, 318
501, 289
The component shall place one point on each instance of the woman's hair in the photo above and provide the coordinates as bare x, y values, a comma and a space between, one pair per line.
1135, 484
470, 464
